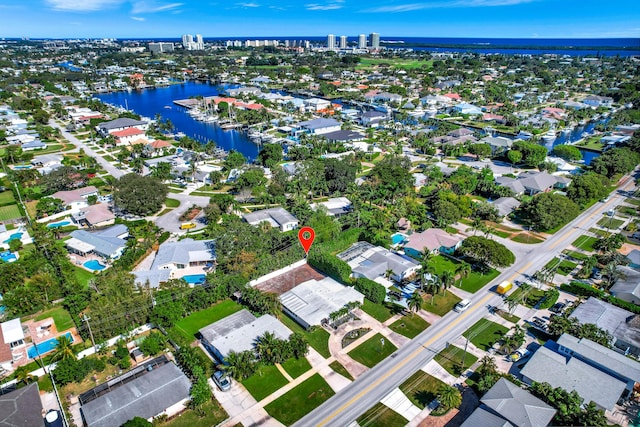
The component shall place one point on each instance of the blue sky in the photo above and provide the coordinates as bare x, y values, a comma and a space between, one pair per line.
433, 18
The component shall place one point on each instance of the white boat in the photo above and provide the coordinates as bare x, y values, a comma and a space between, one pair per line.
549, 136
567, 130
524, 135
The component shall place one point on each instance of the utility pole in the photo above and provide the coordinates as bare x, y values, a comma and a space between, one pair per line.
85, 318
53, 382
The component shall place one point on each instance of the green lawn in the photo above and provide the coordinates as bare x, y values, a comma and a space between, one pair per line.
381, 416
164, 211
575, 254
562, 267
380, 312
214, 414
172, 203
585, 243
409, 326
471, 283
9, 212
296, 367
442, 303
526, 238
451, 359
599, 232
190, 325
372, 351
83, 276
484, 333
264, 382
610, 223
508, 316
421, 388
299, 401
635, 202
527, 297
61, 318
317, 337
6, 197
338, 368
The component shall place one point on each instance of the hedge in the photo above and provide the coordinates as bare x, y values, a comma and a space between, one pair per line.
550, 298
372, 291
330, 265
582, 289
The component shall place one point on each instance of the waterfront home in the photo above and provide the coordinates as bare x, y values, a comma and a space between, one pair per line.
247, 90
276, 217
373, 262
316, 104
375, 96
466, 108
128, 136
431, 240
107, 128
598, 101
372, 118
498, 144
77, 199
318, 126
344, 136
108, 243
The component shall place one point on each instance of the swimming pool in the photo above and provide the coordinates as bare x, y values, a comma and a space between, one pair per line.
45, 346
58, 224
195, 279
397, 238
23, 167
94, 265
8, 256
14, 236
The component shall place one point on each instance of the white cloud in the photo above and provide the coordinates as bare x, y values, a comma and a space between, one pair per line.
137, 18
82, 5
331, 6
248, 5
153, 7
408, 7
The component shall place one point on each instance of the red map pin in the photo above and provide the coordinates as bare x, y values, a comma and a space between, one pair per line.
306, 236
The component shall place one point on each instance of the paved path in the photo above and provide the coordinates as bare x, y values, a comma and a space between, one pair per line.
398, 402
435, 370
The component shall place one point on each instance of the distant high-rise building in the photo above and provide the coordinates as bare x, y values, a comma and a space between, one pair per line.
161, 47
189, 44
362, 41
343, 42
199, 42
374, 40
331, 41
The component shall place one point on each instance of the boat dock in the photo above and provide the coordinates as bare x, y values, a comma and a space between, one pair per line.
194, 102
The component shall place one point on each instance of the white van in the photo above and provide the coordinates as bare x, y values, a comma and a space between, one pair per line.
462, 306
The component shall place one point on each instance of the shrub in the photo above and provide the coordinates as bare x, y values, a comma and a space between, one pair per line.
373, 291
550, 298
330, 265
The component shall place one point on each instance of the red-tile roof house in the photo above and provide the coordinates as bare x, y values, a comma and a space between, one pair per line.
432, 240
127, 136
452, 96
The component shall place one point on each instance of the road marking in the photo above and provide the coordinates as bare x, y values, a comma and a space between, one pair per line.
419, 350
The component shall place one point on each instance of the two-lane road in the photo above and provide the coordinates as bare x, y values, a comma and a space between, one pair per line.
348, 404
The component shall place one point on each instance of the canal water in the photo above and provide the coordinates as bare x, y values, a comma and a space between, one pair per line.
149, 102
575, 135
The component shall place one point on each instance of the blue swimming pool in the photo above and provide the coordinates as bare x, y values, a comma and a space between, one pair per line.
23, 167
14, 236
397, 238
8, 256
94, 265
45, 346
195, 279
58, 224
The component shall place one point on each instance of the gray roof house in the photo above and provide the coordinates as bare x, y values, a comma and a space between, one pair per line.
537, 182
497, 143
512, 406
184, 253
108, 243
511, 183
276, 217
571, 373
238, 332
373, 262
627, 287
336, 206
311, 302
21, 407
506, 205
320, 126
634, 259
623, 325
105, 128
162, 389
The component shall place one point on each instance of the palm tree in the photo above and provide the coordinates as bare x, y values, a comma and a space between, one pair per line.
612, 274
447, 280
388, 274
63, 349
415, 302
266, 346
239, 365
23, 375
463, 270
43, 281
449, 397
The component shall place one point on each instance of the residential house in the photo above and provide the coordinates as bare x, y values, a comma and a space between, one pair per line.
107, 128
128, 136
432, 240
623, 325
627, 287
183, 254
109, 243
506, 205
511, 183
336, 207
275, 217
46, 163
77, 199
539, 182
34, 145
460, 132
598, 101
507, 405
155, 391
466, 108
561, 369
373, 262
372, 118
316, 104
247, 90
344, 136
22, 407
238, 332
498, 144
98, 215
382, 97
319, 126
634, 259
312, 302
12, 344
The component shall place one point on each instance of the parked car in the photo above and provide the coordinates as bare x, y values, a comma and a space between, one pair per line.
558, 307
222, 380
462, 306
519, 354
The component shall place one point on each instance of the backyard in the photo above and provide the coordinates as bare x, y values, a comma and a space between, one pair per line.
300, 400
190, 325
484, 334
214, 414
61, 318
9, 212
372, 351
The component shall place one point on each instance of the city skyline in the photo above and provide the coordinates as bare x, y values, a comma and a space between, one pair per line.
268, 18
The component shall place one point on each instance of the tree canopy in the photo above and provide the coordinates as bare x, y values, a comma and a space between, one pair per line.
139, 195
567, 152
547, 211
487, 251
532, 153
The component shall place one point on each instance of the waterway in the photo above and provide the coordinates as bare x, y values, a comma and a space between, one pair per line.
149, 102
574, 136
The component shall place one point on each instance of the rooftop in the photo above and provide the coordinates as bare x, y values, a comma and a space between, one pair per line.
21, 407
516, 405
184, 252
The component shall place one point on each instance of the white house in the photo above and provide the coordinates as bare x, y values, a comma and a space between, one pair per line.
76, 199
319, 126
276, 217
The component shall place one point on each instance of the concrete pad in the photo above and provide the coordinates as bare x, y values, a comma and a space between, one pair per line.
336, 381
435, 370
397, 401
235, 401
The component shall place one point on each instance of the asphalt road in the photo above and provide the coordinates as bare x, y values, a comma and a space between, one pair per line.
348, 404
